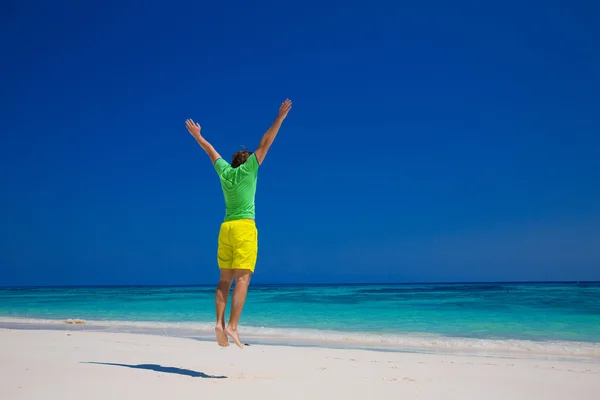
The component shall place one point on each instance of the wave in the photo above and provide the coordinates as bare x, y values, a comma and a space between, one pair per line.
324, 338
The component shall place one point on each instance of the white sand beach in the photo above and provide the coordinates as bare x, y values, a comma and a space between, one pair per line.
47, 364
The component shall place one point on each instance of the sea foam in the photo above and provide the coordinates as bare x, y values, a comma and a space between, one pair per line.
413, 342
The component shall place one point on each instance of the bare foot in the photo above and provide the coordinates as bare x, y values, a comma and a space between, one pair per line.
234, 335
221, 336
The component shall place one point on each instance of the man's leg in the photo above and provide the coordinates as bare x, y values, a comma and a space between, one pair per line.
242, 281
221, 303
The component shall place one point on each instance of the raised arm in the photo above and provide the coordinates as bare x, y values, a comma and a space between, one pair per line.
194, 129
269, 136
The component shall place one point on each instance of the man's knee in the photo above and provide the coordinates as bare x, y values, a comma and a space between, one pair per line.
242, 276
227, 276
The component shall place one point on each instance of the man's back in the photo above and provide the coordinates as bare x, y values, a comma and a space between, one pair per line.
239, 187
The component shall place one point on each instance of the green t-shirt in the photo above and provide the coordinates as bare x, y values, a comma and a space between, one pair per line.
239, 187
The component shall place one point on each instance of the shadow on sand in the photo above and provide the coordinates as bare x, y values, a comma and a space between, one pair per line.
160, 368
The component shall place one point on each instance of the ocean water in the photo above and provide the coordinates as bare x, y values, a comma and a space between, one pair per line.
546, 318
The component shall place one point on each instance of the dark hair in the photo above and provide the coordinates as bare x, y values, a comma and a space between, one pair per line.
240, 157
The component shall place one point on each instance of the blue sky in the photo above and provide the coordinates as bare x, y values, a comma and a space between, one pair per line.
429, 141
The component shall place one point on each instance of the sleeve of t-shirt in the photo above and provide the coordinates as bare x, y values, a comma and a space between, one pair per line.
251, 164
221, 166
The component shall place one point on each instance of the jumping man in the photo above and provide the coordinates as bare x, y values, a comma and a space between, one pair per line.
238, 236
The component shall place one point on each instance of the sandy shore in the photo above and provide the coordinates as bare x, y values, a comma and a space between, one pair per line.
96, 365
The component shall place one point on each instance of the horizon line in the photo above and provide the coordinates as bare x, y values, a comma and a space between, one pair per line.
297, 284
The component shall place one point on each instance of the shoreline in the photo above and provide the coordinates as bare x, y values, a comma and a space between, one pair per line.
424, 344
75, 364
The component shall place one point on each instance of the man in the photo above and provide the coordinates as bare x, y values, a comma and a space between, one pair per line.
238, 236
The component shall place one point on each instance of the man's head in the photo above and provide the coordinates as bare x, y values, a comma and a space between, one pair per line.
240, 157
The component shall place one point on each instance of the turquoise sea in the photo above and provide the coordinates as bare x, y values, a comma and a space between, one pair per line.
557, 317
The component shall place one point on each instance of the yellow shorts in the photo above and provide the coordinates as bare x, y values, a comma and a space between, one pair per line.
238, 244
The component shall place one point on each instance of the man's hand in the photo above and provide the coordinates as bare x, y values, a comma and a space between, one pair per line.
193, 128
285, 108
